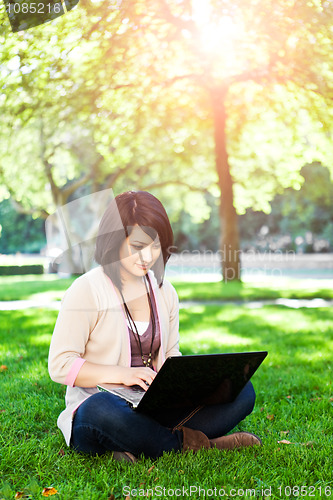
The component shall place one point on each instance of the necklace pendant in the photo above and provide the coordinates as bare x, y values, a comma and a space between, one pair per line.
147, 361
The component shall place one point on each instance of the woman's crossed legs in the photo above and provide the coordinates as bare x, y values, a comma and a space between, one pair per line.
105, 422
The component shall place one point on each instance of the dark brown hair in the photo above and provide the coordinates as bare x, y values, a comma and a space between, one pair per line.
125, 211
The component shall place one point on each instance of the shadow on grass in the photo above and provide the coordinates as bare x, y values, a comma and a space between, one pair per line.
299, 342
277, 326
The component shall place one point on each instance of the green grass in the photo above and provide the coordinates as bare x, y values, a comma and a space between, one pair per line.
33, 287
294, 403
256, 290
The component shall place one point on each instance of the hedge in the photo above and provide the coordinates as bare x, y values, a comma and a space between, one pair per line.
27, 269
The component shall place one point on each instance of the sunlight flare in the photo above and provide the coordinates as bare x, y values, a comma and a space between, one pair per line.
218, 36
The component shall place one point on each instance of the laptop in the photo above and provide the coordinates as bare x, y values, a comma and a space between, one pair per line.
192, 381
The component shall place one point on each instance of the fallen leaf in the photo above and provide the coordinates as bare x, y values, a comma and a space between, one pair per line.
261, 409
47, 492
270, 417
284, 432
151, 469
2, 369
61, 452
284, 441
19, 494
316, 399
112, 497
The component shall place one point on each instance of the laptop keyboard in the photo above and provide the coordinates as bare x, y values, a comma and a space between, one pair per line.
134, 394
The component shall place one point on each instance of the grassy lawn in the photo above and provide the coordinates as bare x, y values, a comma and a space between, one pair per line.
51, 287
33, 287
254, 289
294, 405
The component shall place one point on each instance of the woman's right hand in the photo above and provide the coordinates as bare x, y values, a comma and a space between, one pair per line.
91, 374
141, 375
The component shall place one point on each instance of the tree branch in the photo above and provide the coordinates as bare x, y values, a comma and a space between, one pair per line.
68, 191
112, 178
48, 168
27, 211
180, 24
190, 187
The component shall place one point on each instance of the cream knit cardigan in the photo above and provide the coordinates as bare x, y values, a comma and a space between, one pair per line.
91, 326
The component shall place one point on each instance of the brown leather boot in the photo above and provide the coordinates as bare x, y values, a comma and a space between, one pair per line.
195, 440
124, 456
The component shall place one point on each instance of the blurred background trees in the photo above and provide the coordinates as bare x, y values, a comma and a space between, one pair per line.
212, 106
299, 220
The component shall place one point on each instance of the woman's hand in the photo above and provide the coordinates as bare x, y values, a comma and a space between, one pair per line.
91, 374
140, 375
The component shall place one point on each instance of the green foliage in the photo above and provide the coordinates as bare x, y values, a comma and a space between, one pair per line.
100, 132
124, 96
120, 95
299, 219
193, 235
304, 213
19, 232
296, 219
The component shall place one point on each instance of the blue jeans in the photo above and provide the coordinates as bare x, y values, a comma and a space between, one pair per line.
105, 422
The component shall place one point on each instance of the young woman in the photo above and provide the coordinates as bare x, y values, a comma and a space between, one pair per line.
117, 324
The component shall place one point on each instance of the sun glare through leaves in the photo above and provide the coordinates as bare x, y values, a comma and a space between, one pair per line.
220, 37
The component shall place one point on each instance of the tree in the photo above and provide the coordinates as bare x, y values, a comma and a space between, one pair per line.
88, 134
58, 146
261, 65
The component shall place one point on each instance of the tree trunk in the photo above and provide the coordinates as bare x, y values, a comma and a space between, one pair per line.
229, 243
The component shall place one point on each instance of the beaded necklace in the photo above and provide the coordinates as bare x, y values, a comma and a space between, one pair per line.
134, 327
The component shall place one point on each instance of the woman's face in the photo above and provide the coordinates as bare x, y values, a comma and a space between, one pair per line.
138, 253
